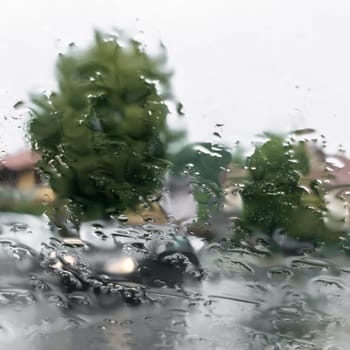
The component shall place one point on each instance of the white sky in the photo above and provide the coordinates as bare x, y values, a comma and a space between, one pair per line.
252, 65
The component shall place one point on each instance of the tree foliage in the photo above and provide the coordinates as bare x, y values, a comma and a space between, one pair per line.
103, 134
274, 198
204, 163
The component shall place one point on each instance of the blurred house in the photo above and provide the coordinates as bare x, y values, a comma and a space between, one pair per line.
18, 170
21, 188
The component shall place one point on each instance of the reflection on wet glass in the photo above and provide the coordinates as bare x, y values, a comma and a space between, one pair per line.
115, 233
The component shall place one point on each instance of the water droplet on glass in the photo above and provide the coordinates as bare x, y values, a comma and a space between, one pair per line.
18, 105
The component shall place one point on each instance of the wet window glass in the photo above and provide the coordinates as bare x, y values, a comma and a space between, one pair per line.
174, 176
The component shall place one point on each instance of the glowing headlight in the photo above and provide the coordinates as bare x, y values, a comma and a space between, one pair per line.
123, 265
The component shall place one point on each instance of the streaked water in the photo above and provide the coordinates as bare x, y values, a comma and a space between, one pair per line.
57, 294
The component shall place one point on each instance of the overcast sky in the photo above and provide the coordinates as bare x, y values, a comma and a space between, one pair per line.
252, 65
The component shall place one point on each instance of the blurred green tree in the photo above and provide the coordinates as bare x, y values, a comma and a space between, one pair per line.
277, 195
103, 134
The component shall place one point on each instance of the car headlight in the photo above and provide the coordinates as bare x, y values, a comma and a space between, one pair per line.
120, 266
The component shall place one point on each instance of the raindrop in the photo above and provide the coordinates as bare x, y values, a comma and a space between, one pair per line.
179, 109
123, 218
18, 105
